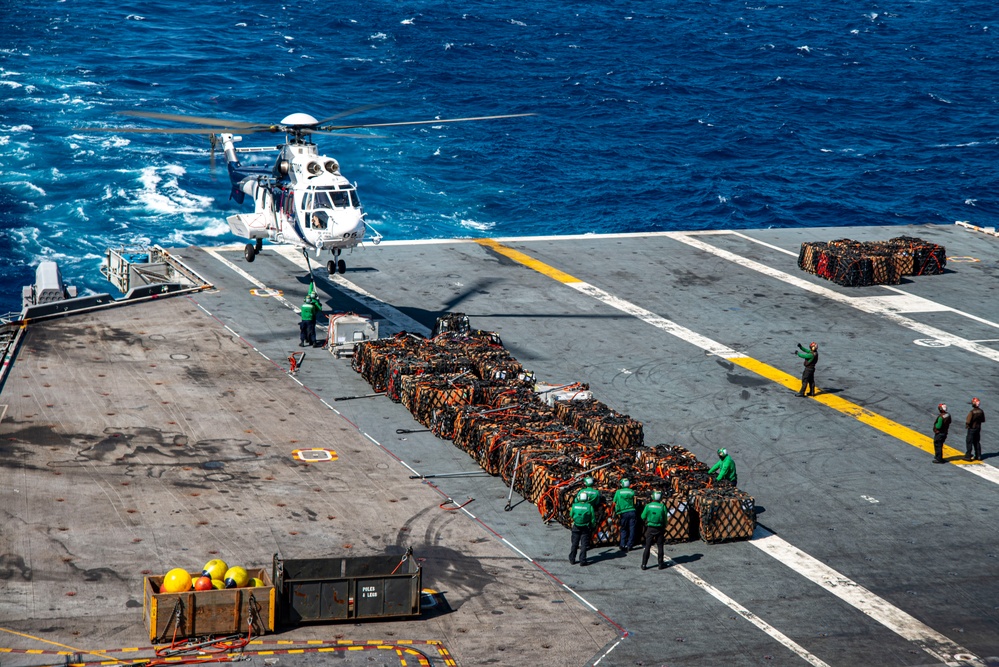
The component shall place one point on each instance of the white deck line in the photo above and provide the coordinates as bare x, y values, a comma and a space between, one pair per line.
402, 321
214, 252
888, 615
867, 306
940, 306
783, 639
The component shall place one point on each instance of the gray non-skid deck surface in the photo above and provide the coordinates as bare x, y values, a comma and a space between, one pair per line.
864, 503
150, 437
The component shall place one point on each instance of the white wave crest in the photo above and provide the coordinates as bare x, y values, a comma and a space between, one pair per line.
407, 21
476, 225
29, 185
22, 128
11, 84
161, 192
378, 35
805, 48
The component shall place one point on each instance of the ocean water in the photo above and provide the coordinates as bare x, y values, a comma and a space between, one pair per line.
650, 116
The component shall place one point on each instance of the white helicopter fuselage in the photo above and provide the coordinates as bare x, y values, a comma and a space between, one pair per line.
304, 201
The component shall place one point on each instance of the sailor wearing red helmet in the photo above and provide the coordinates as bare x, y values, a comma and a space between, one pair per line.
973, 441
940, 427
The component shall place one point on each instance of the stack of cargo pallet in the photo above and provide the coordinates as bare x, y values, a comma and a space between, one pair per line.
466, 387
863, 263
724, 514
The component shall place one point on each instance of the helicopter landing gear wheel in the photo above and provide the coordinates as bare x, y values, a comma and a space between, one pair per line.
341, 266
249, 252
258, 247
331, 267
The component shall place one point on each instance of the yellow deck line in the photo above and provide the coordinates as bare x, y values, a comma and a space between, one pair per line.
863, 415
528, 261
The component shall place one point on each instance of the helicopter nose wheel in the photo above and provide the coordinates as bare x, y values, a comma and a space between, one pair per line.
250, 252
341, 266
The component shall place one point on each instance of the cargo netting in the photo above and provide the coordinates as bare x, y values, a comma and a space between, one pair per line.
466, 387
863, 263
724, 514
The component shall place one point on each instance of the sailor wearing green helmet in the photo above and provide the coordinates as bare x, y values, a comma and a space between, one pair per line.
654, 516
627, 518
589, 493
310, 310
725, 468
583, 521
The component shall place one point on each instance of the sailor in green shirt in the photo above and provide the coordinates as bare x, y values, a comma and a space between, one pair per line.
654, 516
725, 468
310, 310
811, 357
627, 518
583, 522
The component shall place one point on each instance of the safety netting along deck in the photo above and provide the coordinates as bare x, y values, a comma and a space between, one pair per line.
464, 386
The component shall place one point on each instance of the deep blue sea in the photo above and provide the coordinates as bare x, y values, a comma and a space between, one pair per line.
650, 116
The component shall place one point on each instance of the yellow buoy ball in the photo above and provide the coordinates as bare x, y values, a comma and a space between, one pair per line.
218, 584
176, 580
256, 582
214, 569
236, 577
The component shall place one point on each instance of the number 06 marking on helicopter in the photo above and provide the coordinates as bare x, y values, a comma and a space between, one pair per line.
301, 199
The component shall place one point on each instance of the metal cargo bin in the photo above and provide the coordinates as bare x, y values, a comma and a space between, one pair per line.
216, 612
341, 589
348, 331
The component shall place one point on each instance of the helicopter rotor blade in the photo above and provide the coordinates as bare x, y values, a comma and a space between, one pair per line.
345, 134
350, 112
196, 120
161, 130
422, 122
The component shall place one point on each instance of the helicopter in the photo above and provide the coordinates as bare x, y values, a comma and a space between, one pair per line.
302, 199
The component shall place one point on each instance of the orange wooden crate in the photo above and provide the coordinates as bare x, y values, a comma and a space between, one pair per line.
214, 612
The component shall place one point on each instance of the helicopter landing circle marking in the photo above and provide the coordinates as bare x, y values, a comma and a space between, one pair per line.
315, 454
963, 259
266, 292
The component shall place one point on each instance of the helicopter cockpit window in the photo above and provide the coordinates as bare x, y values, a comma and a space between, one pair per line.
332, 199
307, 201
354, 201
